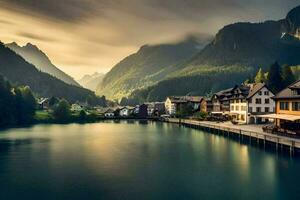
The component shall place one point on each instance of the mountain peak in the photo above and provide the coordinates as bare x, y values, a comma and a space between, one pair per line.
31, 46
13, 44
293, 22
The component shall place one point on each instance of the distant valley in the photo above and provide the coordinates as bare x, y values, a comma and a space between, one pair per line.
91, 82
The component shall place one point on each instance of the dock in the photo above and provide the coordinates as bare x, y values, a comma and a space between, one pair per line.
253, 132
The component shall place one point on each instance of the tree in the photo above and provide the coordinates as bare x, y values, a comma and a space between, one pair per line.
275, 81
287, 75
29, 103
185, 110
7, 112
62, 111
53, 101
260, 76
82, 115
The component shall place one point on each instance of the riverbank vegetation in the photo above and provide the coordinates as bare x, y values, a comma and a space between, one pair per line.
17, 104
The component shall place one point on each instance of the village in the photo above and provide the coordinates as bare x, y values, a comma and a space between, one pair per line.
253, 105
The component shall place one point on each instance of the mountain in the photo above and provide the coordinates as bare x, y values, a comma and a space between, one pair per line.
236, 53
18, 71
91, 82
151, 64
39, 59
254, 44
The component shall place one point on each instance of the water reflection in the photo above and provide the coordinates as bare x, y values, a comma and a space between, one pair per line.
133, 160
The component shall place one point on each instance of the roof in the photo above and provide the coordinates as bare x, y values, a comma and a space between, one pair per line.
287, 92
43, 100
282, 116
256, 88
185, 99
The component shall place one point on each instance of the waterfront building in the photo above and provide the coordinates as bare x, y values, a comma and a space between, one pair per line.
238, 104
260, 102
249, 102
142, 111
126, 111
109, 113
287, 114
221, 101
173, 104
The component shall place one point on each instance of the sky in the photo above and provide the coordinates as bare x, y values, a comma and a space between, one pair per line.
86, 36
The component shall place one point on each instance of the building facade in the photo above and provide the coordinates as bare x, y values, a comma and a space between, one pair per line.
249, 102
288, 108
260, 102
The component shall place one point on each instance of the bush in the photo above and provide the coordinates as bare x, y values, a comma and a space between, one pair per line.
62, 112
201, 115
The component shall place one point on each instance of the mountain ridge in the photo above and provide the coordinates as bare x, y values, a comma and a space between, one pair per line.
32, 54
18, 71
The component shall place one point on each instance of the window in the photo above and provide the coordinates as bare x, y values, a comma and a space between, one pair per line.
284, 106
296, 92
243, 108
267, 93
237, 108
267, 109
250, 100
243, 117
232, 108
260, 93
258, 109
267, 101
250, 109
258, 101
296, 106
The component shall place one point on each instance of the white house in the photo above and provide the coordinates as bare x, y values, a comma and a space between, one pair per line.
126, 111
249, 102
172, 104
76, 107
260, 102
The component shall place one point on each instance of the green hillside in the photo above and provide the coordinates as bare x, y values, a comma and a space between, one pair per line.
148, 66
18, 71
39, 59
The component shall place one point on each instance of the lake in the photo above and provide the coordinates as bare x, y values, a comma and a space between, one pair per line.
137, 161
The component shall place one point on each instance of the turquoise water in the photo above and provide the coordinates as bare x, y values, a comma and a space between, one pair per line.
130, 160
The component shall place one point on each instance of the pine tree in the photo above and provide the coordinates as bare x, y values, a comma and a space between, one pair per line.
275, 81
287, 75
260, 76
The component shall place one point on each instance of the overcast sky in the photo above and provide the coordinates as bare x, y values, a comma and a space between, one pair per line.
85, 36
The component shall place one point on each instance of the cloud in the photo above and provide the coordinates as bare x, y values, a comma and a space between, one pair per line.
32, 36
83, 36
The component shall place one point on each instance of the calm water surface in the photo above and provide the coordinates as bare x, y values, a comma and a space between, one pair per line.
129, 160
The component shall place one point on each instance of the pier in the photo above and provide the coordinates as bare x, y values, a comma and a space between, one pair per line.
253, 132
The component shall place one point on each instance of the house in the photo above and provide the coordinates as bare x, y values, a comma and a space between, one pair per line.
43, 103
109, 113
155, 108
220, 101
126, 111
173, 104
76, 107
142, 111
260, 102
159, 108
287, 112
150, 108
249, 102
239, 104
